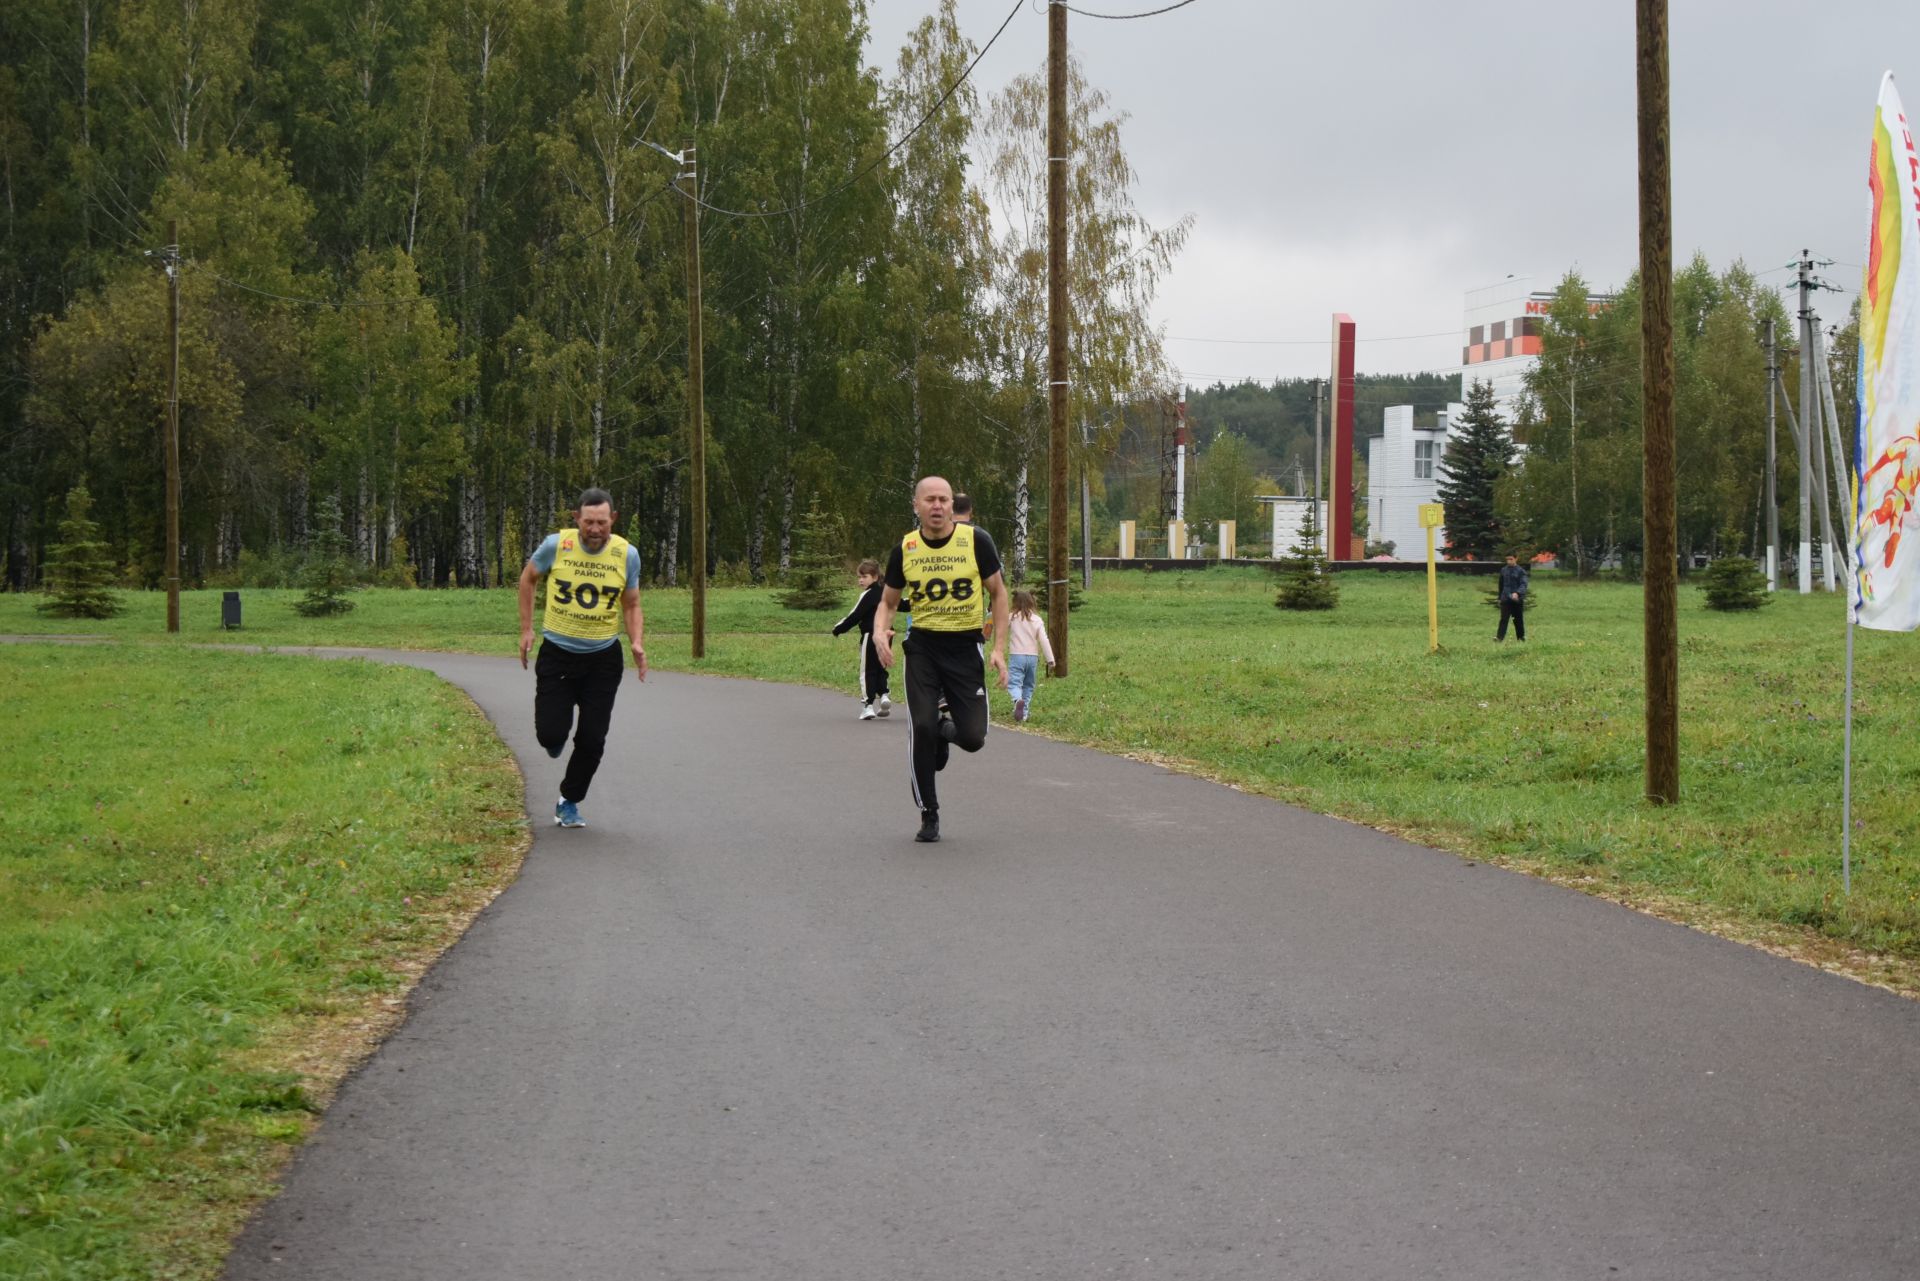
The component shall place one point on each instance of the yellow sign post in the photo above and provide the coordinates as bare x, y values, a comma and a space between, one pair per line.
1432, 517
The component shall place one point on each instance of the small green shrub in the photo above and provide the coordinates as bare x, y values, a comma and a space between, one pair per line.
80, 572
275, 567
1735, 583
819, 574
1306, 579
328, 575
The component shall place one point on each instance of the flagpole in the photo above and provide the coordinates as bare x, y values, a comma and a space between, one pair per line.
1846, 769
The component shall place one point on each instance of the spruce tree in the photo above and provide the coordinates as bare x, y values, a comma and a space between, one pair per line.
79, 578
328, 574
1306, 579
817, 579
1734, 583
1478, 455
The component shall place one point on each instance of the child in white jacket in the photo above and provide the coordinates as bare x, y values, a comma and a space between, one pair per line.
1026, 643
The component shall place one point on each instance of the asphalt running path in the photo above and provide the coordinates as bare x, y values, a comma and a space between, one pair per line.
1120, 1023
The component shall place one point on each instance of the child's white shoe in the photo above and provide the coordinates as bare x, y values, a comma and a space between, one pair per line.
886, 704
866, 712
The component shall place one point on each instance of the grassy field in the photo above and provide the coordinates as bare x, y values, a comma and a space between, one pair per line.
218, 857
217, 874
1528, 755
458, 621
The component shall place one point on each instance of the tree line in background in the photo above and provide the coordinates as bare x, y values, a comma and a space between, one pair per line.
431, 277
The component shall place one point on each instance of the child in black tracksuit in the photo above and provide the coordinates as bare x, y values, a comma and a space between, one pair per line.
873, 677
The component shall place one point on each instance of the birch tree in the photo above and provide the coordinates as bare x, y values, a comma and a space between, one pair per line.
609, 221
1115, 261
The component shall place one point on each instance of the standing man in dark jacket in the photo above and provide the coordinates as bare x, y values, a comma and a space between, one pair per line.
1513, 599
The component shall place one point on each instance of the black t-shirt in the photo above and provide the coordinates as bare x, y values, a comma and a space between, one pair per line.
984, 553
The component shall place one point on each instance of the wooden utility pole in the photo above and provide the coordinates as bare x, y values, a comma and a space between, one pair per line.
696, 409
173, 425
1057, 331
1656, 338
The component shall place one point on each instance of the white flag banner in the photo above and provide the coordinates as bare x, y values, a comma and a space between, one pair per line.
1886, 508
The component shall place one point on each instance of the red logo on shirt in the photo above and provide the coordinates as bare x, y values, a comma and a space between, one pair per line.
566, 544
912, 543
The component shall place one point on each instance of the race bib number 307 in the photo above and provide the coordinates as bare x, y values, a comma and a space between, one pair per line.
585, 595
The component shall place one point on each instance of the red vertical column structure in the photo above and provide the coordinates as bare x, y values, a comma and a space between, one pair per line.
1340, 491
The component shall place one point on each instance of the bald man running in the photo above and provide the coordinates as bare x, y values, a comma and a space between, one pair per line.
948, 573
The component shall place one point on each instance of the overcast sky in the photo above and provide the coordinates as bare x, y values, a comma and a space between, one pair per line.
1382, 157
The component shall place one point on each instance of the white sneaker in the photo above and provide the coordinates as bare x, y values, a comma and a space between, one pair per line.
886, 705
866, 712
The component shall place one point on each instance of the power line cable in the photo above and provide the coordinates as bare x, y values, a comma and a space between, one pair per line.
1308, 342
885, 155
1125, 17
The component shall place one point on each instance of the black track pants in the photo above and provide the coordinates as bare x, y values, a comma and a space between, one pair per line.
1517, 611
873, 677
563, 681
955, 669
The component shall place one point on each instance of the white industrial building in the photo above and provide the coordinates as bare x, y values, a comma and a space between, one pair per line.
1404, 467
1504, 324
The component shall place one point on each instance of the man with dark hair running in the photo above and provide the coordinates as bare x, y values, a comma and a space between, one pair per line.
593, 581
947, 572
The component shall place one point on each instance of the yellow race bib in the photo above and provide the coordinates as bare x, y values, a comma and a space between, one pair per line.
584, 588
943, 584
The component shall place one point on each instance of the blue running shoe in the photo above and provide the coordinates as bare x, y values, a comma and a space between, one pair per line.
567, 814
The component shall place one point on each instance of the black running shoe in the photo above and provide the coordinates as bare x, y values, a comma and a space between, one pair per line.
929, 827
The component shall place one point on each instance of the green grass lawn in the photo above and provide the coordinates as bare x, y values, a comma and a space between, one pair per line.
1526, 754
459, 621
205, 859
